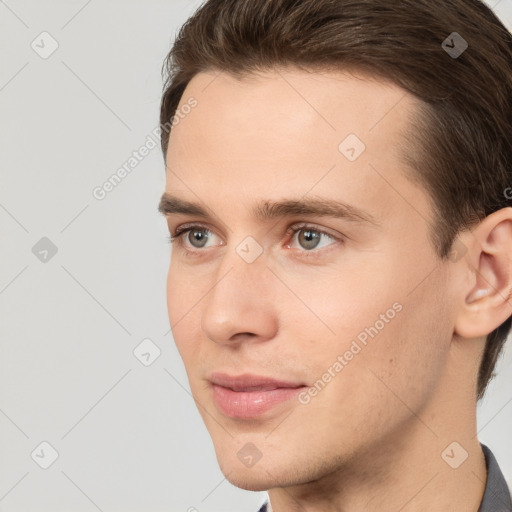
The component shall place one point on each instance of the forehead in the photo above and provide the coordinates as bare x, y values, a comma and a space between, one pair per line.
293, 102
332, 132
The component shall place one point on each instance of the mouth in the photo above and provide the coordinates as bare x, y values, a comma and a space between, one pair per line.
248, 396
248, 389
251, 382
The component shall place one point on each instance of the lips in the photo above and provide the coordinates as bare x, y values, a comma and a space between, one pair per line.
249, 396
251, 382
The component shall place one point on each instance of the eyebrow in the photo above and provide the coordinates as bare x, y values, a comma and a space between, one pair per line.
267, 210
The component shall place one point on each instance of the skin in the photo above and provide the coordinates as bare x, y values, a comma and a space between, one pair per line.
373, 437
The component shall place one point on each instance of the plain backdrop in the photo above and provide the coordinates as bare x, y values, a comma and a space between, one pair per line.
83, 279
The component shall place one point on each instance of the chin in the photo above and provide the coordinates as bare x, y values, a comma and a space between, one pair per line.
250, 479
264, 475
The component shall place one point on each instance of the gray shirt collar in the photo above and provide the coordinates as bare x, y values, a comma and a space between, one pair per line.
497, 494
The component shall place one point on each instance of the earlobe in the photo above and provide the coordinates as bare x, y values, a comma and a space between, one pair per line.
486, 302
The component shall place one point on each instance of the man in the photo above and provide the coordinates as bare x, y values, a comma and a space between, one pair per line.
338, 195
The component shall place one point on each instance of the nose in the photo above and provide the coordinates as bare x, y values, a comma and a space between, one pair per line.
242, 302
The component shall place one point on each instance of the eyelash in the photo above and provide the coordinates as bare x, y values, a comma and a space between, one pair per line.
292, 230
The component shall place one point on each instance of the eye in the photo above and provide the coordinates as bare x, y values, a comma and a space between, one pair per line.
197, 235
309, 237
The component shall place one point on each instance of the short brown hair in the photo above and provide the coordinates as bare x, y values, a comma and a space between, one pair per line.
462, 130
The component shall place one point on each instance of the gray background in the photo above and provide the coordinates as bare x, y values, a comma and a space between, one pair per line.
128, 436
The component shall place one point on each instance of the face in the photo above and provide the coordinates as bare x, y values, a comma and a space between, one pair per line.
353, 306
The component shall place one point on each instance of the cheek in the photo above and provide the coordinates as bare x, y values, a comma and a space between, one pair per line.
338, 303
185, 287
375, 373
183, 310
375, 325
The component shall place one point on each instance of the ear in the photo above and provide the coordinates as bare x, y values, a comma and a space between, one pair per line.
486, 298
